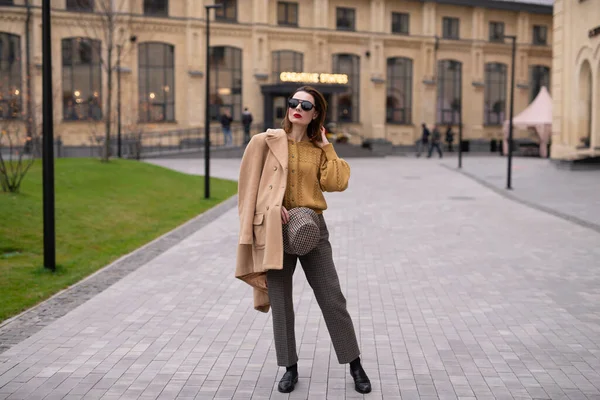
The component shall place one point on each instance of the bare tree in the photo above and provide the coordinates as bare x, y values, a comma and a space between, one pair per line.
108, 23
17, 152
20, 120
133, 138
133, 134
16, 155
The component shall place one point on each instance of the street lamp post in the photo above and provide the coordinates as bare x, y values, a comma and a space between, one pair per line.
512, 100
119, 47
460, 126
48, 142
207, 105
132, 39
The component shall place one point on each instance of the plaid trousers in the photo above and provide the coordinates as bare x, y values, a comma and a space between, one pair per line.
322, 277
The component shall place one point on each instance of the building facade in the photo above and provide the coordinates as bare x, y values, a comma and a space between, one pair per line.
385, 66
576, 80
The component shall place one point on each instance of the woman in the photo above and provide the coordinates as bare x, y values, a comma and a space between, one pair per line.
282, 169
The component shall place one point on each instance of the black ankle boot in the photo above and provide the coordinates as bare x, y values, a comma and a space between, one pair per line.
362, 384
289, 379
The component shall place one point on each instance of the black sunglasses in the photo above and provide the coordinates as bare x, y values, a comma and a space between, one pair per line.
305, 104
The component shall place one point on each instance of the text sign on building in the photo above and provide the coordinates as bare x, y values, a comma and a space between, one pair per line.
594, 32
309, 77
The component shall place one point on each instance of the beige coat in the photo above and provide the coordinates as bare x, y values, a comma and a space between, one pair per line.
261, 188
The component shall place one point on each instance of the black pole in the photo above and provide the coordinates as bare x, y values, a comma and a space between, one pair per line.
207, 112
510, 126
207, 106
119, 101
460, 135
30, 112
48, 141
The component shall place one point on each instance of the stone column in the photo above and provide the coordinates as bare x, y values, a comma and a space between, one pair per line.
426, 83
479, 29
260, 10
378, 16
425, 79
473, 91
429, 19
318, 59
523, 28
559, 136
321, 13
259, 74
375, 95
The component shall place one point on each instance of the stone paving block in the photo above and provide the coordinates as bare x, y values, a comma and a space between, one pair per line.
94, 394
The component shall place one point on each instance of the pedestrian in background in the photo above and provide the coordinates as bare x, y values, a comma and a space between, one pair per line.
436, 138
449, 137
226, 120
422, 143
247, 122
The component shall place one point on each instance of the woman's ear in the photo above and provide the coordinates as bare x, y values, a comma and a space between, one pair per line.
315, 115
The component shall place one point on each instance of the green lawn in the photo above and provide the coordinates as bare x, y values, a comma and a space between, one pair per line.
103, 211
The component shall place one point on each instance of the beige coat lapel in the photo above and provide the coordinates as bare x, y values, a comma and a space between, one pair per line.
277, 142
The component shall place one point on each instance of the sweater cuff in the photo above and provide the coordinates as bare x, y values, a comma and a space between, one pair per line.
330, 152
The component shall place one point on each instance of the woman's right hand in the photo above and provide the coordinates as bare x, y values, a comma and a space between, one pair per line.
285, 217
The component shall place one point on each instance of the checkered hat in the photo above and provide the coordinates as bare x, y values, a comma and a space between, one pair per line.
301, 233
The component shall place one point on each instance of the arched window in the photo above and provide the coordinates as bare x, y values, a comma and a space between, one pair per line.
156, 82
399, 90
225, 82
81, 79
495, 94
286, 61
10, 76
449, 96
346, 105
539, 76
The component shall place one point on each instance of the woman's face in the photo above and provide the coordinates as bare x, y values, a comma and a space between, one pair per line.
299, 115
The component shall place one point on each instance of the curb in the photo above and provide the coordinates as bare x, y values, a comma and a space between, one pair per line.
20, 327
510, 196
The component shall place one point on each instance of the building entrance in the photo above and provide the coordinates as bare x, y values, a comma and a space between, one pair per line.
280, 108
275, 100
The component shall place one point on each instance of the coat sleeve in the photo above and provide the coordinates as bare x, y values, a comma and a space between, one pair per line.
334, 171
248, 182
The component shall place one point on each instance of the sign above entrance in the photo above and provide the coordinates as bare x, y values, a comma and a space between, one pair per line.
309, 77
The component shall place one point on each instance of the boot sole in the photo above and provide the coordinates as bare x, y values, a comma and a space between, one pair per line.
295, 381
362, 391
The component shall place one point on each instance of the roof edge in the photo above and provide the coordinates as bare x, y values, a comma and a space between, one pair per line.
499, 5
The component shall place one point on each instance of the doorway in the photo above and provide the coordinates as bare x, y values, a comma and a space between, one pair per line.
275, 100
279, 110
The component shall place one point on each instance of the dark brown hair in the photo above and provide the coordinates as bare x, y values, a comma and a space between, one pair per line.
314, 127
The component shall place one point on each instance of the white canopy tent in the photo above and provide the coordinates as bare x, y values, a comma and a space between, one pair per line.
537, 115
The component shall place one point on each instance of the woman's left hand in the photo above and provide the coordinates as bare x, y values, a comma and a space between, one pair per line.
324, 140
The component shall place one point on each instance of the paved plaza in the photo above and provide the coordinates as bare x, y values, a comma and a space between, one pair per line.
455, 291
574, 195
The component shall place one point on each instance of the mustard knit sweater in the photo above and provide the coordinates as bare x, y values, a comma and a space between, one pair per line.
312, 171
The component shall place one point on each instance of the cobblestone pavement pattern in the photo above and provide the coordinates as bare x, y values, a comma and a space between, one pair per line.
574, 194
455, 291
